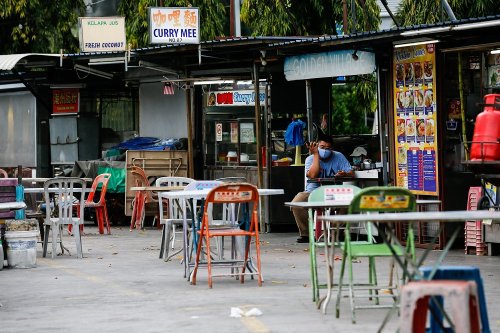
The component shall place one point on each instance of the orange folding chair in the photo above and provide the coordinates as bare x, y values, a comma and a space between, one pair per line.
248, 226
141, 198
101, 212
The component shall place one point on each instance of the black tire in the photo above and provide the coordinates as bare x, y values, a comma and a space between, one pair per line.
484, 203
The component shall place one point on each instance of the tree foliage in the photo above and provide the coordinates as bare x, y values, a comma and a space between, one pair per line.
307, 17
412, 12
39, 26
212, 15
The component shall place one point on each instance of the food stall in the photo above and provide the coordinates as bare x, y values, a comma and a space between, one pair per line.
230, 131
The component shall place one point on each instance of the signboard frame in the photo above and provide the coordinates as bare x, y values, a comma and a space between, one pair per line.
174, 25
102, 34
415, 119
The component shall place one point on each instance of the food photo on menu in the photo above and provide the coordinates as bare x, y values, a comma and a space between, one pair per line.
400, 98
419, 72
419, 99
428, 71
429, 130
400, 75
401, 129
409, 74
402, 155
428, 101
408, 101
410, 130
420, 129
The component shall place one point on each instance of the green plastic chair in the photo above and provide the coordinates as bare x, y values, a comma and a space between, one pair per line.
375, 200
319, 195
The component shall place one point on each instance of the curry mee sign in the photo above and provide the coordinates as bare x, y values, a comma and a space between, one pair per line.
329, 64
174, 25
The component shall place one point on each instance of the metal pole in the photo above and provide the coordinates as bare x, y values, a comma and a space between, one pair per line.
257, 125
190, 134
309, 110
237, 21
381, 125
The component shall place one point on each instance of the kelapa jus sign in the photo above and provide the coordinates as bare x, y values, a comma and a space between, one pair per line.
174, 25
98, 34
329, 64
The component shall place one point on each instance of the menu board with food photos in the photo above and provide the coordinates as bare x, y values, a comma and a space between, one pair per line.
415, 119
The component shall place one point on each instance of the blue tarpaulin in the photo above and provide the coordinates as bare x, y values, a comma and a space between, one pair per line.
293, 134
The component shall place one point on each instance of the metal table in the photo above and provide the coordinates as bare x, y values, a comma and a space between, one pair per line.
388, 233
191, 195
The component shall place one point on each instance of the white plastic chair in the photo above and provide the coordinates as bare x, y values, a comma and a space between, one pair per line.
175, 215
60, 212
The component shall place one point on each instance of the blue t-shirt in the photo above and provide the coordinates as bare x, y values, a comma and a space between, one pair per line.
328, 168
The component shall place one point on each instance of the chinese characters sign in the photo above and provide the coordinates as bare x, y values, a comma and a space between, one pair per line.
415, 119
174, 25
65, 101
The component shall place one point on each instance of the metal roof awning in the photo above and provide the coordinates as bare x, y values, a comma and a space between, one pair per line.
9, 61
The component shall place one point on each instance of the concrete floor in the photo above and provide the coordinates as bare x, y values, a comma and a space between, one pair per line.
122, 286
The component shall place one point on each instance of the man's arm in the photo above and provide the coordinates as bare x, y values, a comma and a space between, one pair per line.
345, 169
315, 169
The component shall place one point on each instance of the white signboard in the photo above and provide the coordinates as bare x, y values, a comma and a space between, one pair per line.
98, 34
174, 25
329, 64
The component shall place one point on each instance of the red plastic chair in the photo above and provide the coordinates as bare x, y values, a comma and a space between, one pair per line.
234, 193
141, 198
101, 211
3, 174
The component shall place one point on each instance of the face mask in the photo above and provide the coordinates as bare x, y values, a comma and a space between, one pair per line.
356, 160
324, 153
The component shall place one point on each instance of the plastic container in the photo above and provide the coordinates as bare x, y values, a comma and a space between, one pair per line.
21, 248
485, 145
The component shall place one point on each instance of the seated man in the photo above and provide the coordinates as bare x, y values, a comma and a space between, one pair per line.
323, 162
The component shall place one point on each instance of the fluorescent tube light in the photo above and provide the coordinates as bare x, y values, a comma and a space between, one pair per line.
198, 83
425, 31
416, 43
92, 71
12, 86
477, 25
495, 51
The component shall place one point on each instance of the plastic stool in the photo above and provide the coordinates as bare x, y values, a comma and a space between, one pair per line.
460, 297
468, 273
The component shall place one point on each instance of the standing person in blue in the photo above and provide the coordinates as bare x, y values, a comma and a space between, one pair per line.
323, 162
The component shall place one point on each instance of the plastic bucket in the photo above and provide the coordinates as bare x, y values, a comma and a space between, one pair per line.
21, 248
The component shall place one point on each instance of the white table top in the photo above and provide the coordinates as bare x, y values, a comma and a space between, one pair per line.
156, 188
339, 203
446, 216
200, 194
51, 189
318, 204
8, 206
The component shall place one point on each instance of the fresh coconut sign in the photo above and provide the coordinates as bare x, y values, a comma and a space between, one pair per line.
174, 25
102, 34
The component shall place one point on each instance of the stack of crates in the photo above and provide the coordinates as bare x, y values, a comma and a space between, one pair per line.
474, 229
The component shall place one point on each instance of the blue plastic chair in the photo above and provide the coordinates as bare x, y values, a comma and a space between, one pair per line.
469, 273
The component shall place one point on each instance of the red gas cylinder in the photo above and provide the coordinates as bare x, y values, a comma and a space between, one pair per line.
485, 142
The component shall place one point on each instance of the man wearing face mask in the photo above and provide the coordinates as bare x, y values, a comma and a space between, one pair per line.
323, 162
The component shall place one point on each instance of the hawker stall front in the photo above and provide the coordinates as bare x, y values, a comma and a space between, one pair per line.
230, 131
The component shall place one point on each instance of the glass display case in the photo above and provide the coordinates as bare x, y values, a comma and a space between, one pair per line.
230, 142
